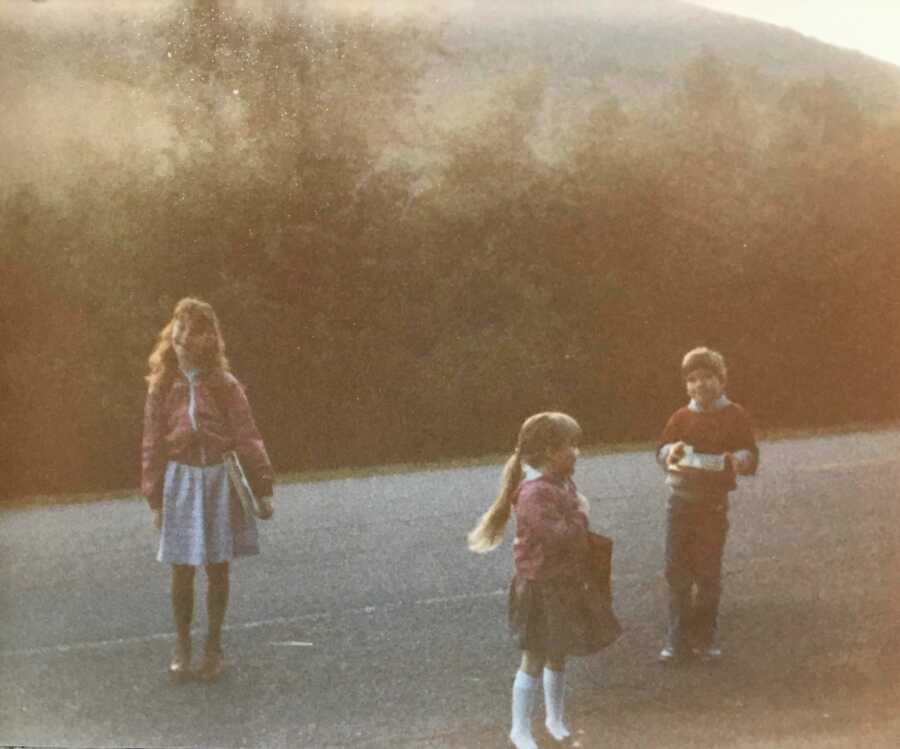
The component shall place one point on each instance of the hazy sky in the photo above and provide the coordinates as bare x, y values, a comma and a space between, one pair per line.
870, 26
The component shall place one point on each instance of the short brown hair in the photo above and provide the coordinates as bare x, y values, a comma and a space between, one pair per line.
704, 358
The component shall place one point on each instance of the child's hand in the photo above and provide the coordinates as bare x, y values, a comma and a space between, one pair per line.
266, 508
157, 519
583, 503
731, 463
675, 454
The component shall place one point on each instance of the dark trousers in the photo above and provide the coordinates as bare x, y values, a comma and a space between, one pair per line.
695, 540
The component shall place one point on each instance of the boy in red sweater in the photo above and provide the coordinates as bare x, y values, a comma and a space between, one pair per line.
703, 447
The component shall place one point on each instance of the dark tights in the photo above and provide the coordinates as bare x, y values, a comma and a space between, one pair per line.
216, 601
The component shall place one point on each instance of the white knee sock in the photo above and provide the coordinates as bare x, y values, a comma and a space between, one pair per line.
555, 703
524, 695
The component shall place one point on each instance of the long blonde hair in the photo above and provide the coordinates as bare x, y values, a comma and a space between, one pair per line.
163, 363
539, 435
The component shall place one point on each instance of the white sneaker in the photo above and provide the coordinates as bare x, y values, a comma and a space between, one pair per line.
558, 731
668, 654
524, 741
709, 654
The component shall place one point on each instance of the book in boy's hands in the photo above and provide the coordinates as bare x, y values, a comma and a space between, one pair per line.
700, 461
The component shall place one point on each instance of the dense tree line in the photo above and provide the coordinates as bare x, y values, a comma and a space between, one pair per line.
381, 310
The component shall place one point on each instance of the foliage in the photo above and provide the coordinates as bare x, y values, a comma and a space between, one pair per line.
381, 308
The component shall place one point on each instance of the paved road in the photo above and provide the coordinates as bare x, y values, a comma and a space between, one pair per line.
367, 623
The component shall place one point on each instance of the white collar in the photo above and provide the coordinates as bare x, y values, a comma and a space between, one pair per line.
530, 472
716, 405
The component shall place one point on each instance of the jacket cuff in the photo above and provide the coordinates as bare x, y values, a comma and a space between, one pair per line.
662, 455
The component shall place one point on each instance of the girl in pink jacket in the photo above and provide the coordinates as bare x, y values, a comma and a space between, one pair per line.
555, 608
195, 412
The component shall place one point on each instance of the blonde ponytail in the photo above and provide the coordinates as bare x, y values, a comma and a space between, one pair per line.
538, 435
488, 534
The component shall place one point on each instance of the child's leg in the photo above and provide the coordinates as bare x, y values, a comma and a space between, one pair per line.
532, 663
216, 603
679, 577
183, 611
712, 532
524, 696
183, 604
554, 697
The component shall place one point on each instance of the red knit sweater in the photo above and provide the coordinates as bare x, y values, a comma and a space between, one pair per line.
724, 430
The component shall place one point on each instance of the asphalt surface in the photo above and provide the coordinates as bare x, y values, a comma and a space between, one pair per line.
367, 623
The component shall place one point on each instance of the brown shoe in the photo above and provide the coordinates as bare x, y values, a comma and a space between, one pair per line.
213, 666
180, 667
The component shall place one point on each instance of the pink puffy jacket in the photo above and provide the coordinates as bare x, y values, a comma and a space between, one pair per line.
224, 422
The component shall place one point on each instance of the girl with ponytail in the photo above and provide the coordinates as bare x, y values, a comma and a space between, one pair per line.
555, 609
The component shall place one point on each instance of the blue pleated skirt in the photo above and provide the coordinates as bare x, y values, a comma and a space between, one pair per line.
201, 522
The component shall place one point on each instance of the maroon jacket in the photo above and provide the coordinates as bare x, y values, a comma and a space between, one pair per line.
551, 530
224, 422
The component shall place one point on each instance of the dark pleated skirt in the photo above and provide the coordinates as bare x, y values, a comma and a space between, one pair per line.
558, 618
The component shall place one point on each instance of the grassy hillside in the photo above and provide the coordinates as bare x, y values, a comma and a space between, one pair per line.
634, 51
